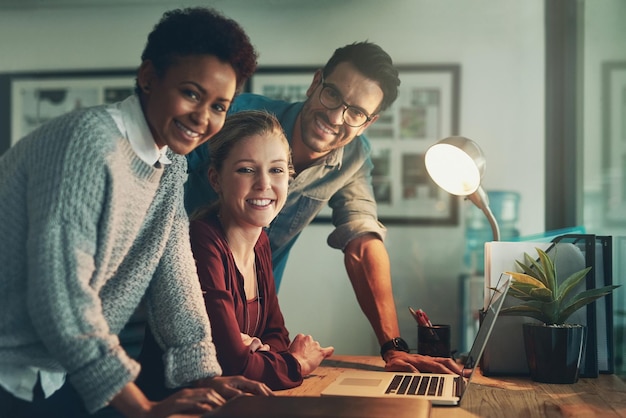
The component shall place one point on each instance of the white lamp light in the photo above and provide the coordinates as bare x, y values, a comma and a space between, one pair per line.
457, 165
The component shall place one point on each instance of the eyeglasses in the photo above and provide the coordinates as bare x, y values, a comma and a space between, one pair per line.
331, 99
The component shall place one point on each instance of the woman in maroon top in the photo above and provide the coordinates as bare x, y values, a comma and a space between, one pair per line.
250, 170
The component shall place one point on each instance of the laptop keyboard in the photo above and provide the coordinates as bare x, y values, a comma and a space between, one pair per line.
415, 385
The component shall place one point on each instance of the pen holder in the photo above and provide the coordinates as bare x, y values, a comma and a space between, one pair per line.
434, 341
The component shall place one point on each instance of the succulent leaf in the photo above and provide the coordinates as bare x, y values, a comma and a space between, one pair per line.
519, 294
535, 269
531, 271
544, 294
583, 299
570, 283
549, 269
525, 278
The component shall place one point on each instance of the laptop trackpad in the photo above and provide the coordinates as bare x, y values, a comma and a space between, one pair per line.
353, 381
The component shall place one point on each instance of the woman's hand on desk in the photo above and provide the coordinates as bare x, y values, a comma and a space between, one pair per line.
309, 353
186, 401
399, 361
253, 343
230, 386
211, 393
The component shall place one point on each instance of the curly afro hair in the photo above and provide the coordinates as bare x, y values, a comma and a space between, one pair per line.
200, 31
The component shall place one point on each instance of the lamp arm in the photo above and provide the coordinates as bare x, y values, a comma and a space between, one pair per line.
480, 199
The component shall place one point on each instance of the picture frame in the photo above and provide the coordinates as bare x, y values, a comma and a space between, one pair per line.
282, 83
427, 109
34, 98
614, 141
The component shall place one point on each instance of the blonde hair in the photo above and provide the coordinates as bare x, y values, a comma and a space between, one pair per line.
237, 127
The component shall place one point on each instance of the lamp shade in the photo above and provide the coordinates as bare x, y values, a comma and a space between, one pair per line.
456, 164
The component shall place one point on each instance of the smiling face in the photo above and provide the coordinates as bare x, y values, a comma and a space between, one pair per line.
187, 105
253, 180
323, 130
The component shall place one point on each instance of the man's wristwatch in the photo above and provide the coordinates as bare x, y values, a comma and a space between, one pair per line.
397, 344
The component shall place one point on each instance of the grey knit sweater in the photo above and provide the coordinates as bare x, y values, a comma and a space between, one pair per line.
88, 230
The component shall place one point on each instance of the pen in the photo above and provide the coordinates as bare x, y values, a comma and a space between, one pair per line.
420, 317
414, 315
423, 321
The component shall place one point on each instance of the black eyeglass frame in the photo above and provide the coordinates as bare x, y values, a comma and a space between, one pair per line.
345, 105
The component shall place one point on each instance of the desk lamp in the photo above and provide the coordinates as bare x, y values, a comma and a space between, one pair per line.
457, 165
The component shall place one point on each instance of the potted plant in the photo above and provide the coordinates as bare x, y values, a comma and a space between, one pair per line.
553, 347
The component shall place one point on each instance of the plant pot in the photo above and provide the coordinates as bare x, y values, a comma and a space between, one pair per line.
554, 352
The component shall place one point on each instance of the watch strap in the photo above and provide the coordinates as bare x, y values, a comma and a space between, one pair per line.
397, 344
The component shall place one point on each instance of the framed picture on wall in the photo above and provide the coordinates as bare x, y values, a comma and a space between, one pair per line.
282, 83
34, 98
426, 110
614, 145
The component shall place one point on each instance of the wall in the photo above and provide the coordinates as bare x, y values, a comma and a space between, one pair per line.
499, 45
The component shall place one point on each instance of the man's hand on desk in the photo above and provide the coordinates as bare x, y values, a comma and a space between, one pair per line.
399, 361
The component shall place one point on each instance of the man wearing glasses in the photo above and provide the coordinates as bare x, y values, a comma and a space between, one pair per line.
333, 166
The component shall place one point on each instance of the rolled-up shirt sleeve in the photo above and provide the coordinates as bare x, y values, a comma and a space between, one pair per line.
354, 206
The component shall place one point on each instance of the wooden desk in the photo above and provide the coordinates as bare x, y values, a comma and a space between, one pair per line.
604, 396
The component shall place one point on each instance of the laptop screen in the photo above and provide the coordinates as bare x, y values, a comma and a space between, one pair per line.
489, 317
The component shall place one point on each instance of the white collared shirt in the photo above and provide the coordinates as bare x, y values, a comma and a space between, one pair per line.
20, 380
130, 120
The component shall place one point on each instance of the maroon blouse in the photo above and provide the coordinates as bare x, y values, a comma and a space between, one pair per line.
226, 304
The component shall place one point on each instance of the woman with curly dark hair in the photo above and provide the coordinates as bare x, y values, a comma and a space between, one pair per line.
92, 207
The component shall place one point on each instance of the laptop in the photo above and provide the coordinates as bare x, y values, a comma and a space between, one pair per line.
440, 389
